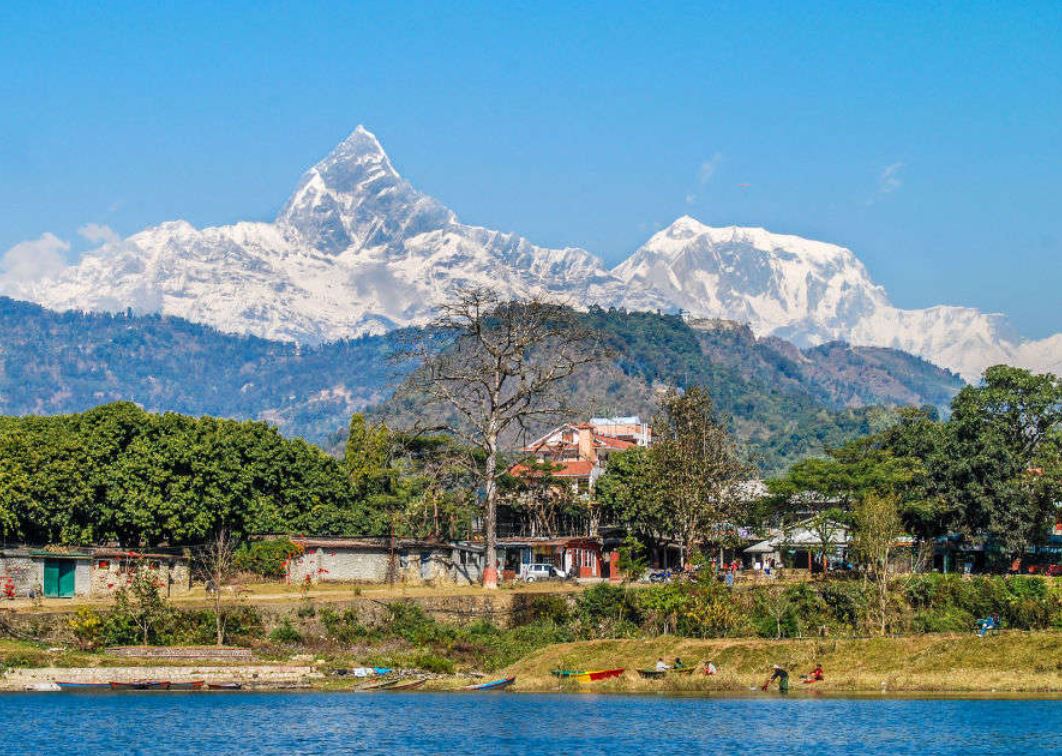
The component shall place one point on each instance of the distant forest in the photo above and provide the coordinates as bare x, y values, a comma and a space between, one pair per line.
783, 402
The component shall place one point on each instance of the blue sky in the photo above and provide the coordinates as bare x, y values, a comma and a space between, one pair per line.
925, 136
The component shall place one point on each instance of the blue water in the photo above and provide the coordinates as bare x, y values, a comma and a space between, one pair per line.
476, 723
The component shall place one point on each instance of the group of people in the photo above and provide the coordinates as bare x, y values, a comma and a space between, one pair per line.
779, 673
707, 667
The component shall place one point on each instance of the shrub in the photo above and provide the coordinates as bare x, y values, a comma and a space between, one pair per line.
342, 628
87, 627
528, 609
608, 611
946, 620
285, 633
266, 558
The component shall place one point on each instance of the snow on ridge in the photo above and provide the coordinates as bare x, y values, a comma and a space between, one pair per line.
357, 249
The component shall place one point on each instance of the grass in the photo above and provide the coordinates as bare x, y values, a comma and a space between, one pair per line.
1010, 662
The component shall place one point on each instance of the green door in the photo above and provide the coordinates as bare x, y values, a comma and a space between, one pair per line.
59, 577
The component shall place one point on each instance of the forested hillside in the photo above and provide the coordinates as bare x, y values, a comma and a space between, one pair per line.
786, 403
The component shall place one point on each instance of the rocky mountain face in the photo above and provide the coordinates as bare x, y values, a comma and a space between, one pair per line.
358, 250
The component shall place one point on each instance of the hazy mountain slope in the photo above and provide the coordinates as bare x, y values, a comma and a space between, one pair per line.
786, 403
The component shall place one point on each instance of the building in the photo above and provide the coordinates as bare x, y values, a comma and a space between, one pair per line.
69, 571
384, 560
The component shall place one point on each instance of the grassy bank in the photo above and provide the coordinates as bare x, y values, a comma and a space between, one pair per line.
1010, 662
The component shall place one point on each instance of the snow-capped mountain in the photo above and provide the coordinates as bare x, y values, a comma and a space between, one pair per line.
357, 249
810, 292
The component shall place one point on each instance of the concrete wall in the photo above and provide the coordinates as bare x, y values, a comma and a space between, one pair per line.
414, 566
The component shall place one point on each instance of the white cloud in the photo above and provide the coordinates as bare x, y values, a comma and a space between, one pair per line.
889, 180
708, 168
32, 260
99, 233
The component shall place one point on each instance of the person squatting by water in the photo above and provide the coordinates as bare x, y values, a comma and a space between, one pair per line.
782, 676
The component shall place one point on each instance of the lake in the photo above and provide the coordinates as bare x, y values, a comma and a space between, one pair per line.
478, 723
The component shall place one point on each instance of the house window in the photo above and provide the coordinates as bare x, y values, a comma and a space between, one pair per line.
103, 564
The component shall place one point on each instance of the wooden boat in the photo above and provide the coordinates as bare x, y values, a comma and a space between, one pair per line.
141, 685
381, 685
42, 687
187, 685
65, 685
588, 675
406, 684
224, 686
501, 682
656, 674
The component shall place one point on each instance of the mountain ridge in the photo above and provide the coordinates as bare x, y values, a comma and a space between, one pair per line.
357, 249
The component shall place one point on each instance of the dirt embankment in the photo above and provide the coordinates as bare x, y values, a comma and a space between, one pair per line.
1009, 662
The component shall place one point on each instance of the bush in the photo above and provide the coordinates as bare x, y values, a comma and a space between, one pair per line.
87, 627
342, 628
946, 620
528, 609
266, 558
608, 611
285, 633
409, 621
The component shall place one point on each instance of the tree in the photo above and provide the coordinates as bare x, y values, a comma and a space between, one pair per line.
697, 468
876, 528
216, 562
141, 602
502, 365
628, 495
1003, 438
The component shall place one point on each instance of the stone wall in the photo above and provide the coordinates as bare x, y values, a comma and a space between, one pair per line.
107, 575
22, 574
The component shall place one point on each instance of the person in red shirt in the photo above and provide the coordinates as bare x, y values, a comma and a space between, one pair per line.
816, 675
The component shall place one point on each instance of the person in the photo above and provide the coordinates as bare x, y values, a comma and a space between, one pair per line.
988, 623
678, 664
661, 665
816, 675
709, 668
782, 676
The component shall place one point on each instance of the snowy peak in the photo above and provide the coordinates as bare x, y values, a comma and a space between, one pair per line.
357, 249
355, 198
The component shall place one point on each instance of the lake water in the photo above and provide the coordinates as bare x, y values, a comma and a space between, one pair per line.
477, 723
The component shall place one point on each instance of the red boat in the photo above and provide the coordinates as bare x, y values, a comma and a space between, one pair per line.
141, 685
188, 685
589, 675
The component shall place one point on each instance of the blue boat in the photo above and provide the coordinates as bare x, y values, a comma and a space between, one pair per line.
501, 682
78, 685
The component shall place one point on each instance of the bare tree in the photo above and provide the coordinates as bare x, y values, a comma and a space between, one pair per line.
877, 528
501, 365
216, 563
698, 468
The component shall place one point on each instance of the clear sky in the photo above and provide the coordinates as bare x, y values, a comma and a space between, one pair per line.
925, 136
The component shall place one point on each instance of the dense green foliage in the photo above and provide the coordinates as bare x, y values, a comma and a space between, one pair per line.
268, 558
993, 469
117, 473
785, 402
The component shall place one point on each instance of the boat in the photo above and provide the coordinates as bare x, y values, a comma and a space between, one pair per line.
141, 685
501, 682
43, 687
187, 685
407, 684
225, 686
381, 685
656, 674
589, 675
67, 685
